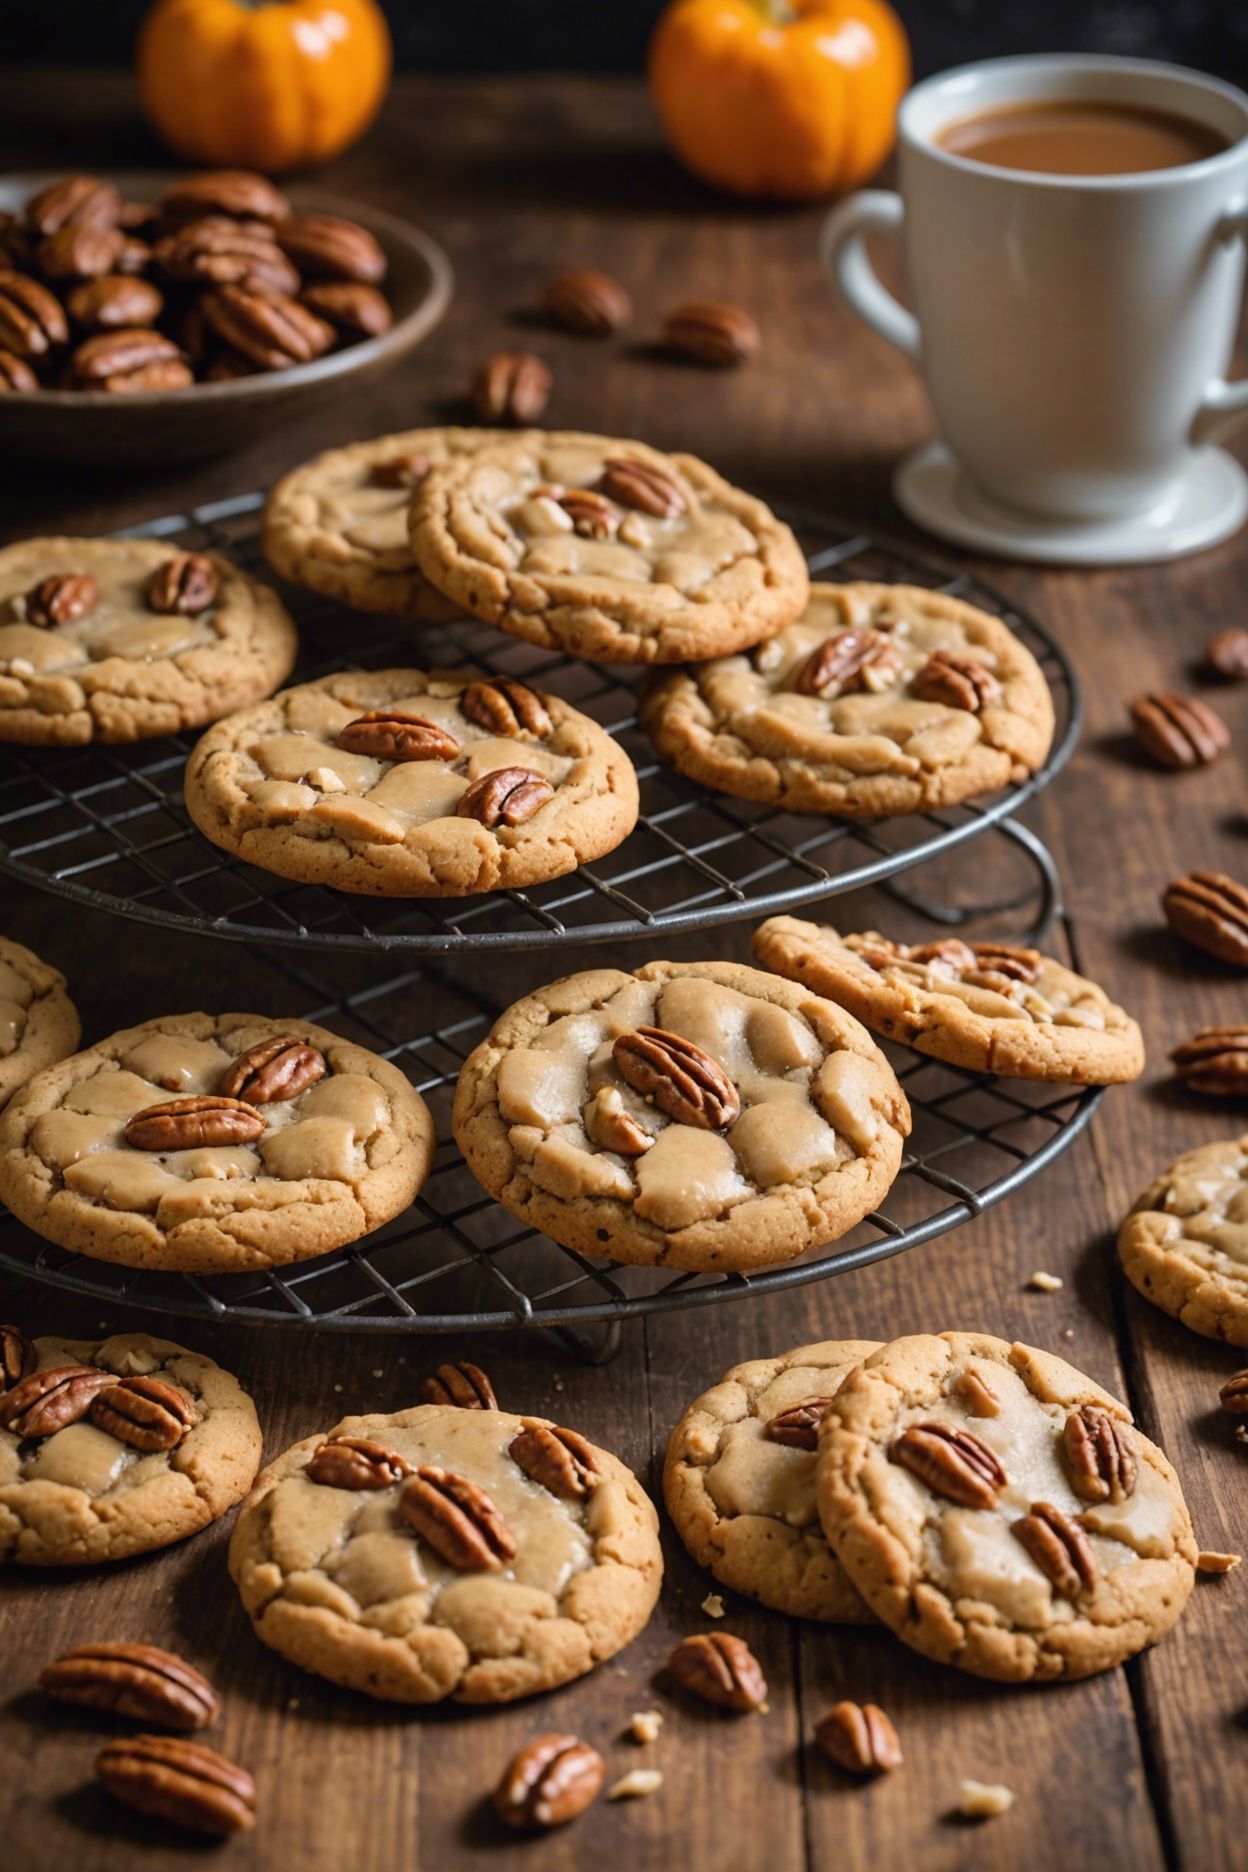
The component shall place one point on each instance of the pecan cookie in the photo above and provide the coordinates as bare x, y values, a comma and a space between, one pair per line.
447, 1553
739, 1481
694, 1115
38, 1021
880, 699
1185, 1242
112, 1448
991, 1007
395, 783
998, 1511
338, 523
120, 640
214, 1143
606, 549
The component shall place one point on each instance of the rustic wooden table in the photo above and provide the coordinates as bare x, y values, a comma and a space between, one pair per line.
1140, 1768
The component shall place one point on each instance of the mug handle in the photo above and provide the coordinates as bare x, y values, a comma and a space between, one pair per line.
1224, 405
843, 255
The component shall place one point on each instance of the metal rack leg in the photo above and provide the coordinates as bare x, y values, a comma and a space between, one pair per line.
592, 1348
1048, 887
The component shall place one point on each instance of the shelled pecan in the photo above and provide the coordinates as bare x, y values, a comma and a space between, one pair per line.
128, 360
186, 584
1060, 1548
17, 1356
952, 1462
74, 201
1214, 1062
860, 1738
955, 681
683, 1081
145, 1413
32, 320
721, 1669
853, 659
637, 484
356, 1463
508, 796
114, 302
512, 387
1178, 731
1210, 910
46, 1401
274, 1070
397, 735
139, 1681
587, 300
181, 1781
61, 598
558, 1460
193, 1124
325, 246
354, 310
270, 328
505, 706
1227, 654
461, 1384
1099, 1455
549, 1782
797, 1426
715, 334
457, 1519
237, 192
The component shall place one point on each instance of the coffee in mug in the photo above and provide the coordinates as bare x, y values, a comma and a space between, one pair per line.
1081, 139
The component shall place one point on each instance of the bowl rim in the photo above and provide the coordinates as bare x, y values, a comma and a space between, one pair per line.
400, 337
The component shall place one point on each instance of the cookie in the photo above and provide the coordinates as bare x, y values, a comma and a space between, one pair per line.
998, 1511
447, 1553
394, 783
606, 549
214, 1144
694, 1115
124, 639
739, 1481
138, 1444
1185, 1242
879, 699
991, 1007
38, 1021
338, 523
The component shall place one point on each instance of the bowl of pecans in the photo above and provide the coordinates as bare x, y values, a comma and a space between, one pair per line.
153, 318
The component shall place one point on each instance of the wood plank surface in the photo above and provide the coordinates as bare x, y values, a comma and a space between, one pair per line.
1140, 1768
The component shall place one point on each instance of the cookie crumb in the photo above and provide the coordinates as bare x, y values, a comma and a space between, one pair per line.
635, 1783
1217, 1562
1241, 1433
981, 1800
1041, 1282
325, 780
293, 1703
713, 1605
1068, 1332
337, 1387
644, 1725
378, 1371
558, 1382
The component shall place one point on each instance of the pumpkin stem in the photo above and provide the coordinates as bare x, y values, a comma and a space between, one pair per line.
776, 12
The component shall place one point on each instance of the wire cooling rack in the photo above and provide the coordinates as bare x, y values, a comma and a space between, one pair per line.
106, 828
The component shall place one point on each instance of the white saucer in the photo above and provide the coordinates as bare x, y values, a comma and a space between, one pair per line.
1212, 503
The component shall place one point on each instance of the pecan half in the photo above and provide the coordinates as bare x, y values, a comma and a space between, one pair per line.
798, 1425
1214, 1062
356, 1463
17, 1356
181, 1781
956, 682
719, 335
32, 321
554, 1458
853, 659
193, 1124
954, 1463
113, 303
270, 328
1233, 1394
74, 201
1099, 1455
185, 584
979, 1396
61, 598
683, 1081
401, 471
592, 517
136, 1680
549, 1782
508, 796
506, 706
1008, 961
44, 1402
1227, 655
128, 360
395, 735
145, 1413
637, 484
457, 1519
948, 956
15, 374
327, 247
1210, 910
79, 252
237, 192
860, 1738
512, 387
584, 299
720, 1669
273, 1070
461, 1384
1178, 731
218, 251
354, 310
1060, 1548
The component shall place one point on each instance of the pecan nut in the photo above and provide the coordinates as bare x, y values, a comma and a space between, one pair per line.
46, 1401
1006, 961
955, 681
401, 471
15, 374
353, 310
549, 1782
273, 1070
136, 1680
505, 706
193, 1124
584, 299
394, 735
1214, 1062
269, 328
18, 1357
113, 303
592, 517
461, 1384
128, 360
1099, 1455
236, 192
1060, 1548
948, 956
356, 1463
797, 1426
186, 585
181, 1781
32, 320
457, 1519
512, 387
719, 1669
683, 1081
954, 1463
981, 1397
1233, 1394
1178, 731
853, 659
219, 251
1210, 910
860, 1738
146, 1413
78, 252
74, 201
1227, 655
637, 484
719, 335
61, 598
556, 1459
508, 796
325, 246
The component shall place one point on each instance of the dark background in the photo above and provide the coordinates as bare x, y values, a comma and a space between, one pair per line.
610, 35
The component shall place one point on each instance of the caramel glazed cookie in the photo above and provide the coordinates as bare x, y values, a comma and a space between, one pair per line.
1185, 1242
694, 1115
113, 1448
739, 1481
997, 1510
606, 549
880, 699
213, 1144
38, 1021
400, 784
990, 1007
120, 640
442, 1552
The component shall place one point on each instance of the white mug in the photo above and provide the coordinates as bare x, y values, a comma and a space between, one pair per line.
1074, 331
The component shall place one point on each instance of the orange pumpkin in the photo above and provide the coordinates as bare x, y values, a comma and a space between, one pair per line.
262, 84
784, 100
